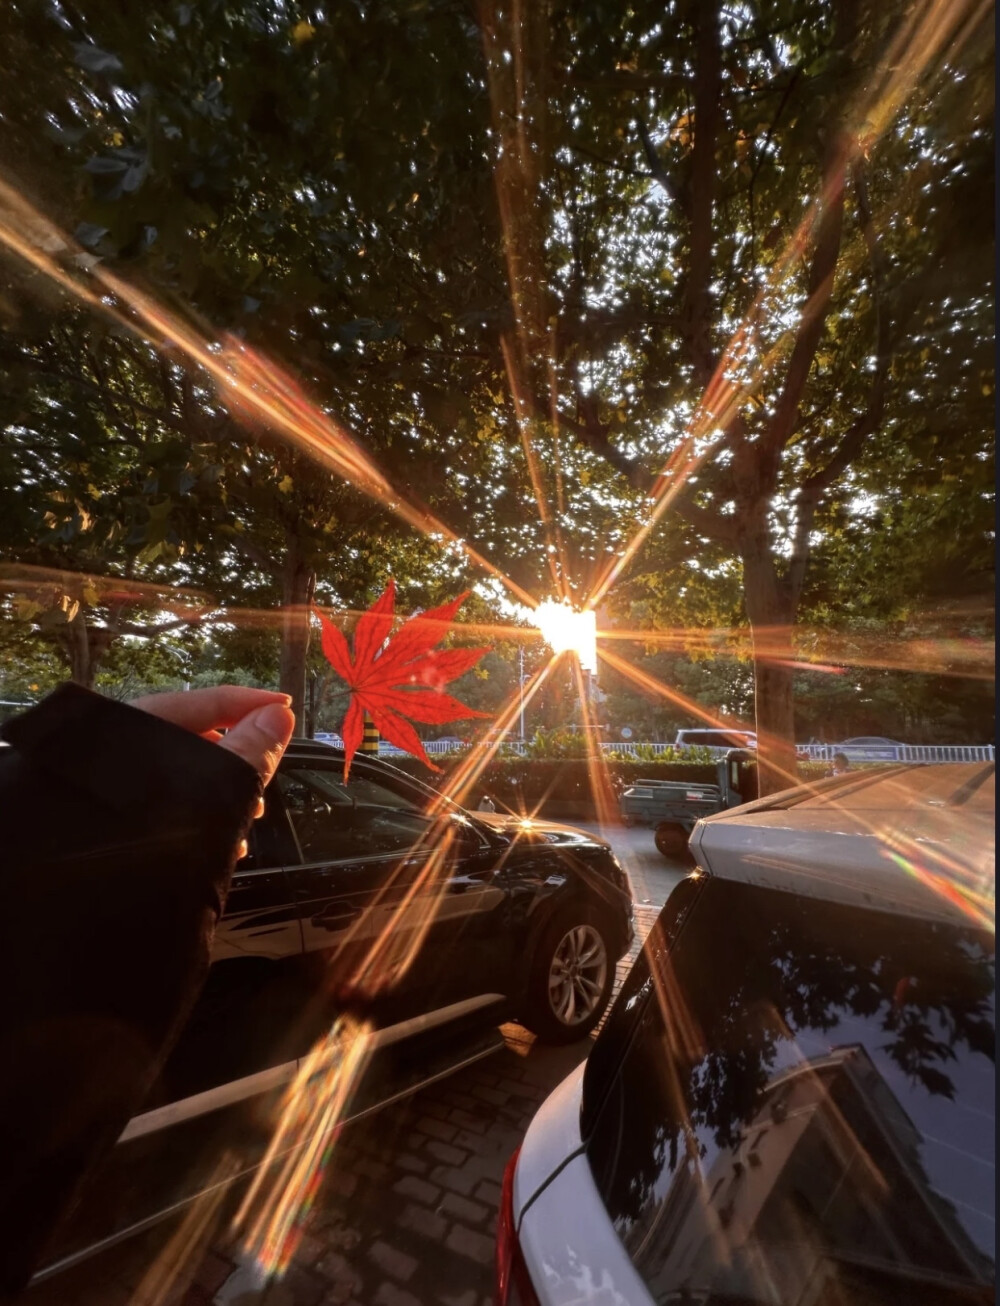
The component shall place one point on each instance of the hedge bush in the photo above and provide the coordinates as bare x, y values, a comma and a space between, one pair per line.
560, 788
556, 788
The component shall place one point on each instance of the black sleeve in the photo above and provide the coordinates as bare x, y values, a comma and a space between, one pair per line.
118, 836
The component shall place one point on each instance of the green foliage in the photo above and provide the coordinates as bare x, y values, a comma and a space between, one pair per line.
695, 754
560, 787
321, 188
559, 743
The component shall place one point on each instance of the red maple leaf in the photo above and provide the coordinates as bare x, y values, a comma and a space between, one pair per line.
403, 679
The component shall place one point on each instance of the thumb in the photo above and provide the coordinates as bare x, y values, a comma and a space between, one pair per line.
260, 738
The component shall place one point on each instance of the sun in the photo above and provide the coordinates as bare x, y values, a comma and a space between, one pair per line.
567, 631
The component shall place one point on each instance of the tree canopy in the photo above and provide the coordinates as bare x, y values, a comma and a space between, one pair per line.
663, 305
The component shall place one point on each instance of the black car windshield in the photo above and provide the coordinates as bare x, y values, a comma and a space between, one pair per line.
795, 1102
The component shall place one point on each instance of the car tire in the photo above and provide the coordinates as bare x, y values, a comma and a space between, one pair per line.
672, 840
573, 961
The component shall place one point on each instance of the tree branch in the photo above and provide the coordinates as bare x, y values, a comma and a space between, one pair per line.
762, 155
105, 397
620, 82
128, 628
696, 304
867, 422
715, 525
656, 168
256, 555
596, 436
610, 163
814, 488
819, 288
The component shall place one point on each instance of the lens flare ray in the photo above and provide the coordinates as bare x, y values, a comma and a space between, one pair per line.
250, 384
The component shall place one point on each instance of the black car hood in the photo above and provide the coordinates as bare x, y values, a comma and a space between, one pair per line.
532, 830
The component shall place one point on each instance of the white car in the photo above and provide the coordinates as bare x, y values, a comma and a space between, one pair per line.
793, 1098
719, 740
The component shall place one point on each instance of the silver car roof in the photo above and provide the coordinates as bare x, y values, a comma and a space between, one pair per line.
916, 839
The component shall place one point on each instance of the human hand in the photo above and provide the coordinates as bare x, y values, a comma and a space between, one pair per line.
258, 723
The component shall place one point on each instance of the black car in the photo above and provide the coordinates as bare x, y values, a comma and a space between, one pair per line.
517, 919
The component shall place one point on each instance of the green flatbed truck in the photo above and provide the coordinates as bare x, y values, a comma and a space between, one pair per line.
672, 807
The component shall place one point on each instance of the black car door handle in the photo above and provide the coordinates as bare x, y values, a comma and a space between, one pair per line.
336, 917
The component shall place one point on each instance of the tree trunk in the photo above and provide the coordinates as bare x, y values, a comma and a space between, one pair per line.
772, 617
85, 646
298, 584
81, 665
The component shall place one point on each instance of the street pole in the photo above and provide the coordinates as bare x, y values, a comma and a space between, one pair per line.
521, 686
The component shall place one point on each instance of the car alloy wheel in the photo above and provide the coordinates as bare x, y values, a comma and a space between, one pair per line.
577, 975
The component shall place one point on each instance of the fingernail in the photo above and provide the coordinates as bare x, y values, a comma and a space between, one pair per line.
259, 809
242, 850
275, 721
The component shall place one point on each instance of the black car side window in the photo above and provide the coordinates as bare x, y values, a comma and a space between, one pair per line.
338, 821
269, 843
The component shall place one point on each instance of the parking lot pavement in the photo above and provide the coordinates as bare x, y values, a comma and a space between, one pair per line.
405, 1216
653, 876
406, 1212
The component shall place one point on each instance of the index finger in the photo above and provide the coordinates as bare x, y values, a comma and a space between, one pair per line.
201, 710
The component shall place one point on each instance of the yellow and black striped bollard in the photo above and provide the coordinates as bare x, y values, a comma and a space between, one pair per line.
369, 740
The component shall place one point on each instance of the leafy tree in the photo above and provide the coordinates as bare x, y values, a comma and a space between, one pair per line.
311, 185
689, 308
97, 487
592, 211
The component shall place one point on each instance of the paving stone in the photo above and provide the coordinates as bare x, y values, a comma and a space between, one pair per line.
309, 1250
426, 1223
385, 1149
467, 1139
468, 1298
419, 1189
434, 1107
492, 1095
515, 1121
462, 1118
462, 1209
337, 1234
338, 1296
340, 1181
376, 1170
407, 1161
520, 1089
469, 1243
389, 1295
307, 1289
445, 1153
459, 1181
463, 1100
343, 1280
437, 1128
488, 1192
484, 1077
390, 1260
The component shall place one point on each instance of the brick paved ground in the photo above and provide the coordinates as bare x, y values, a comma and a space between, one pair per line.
405, 1217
